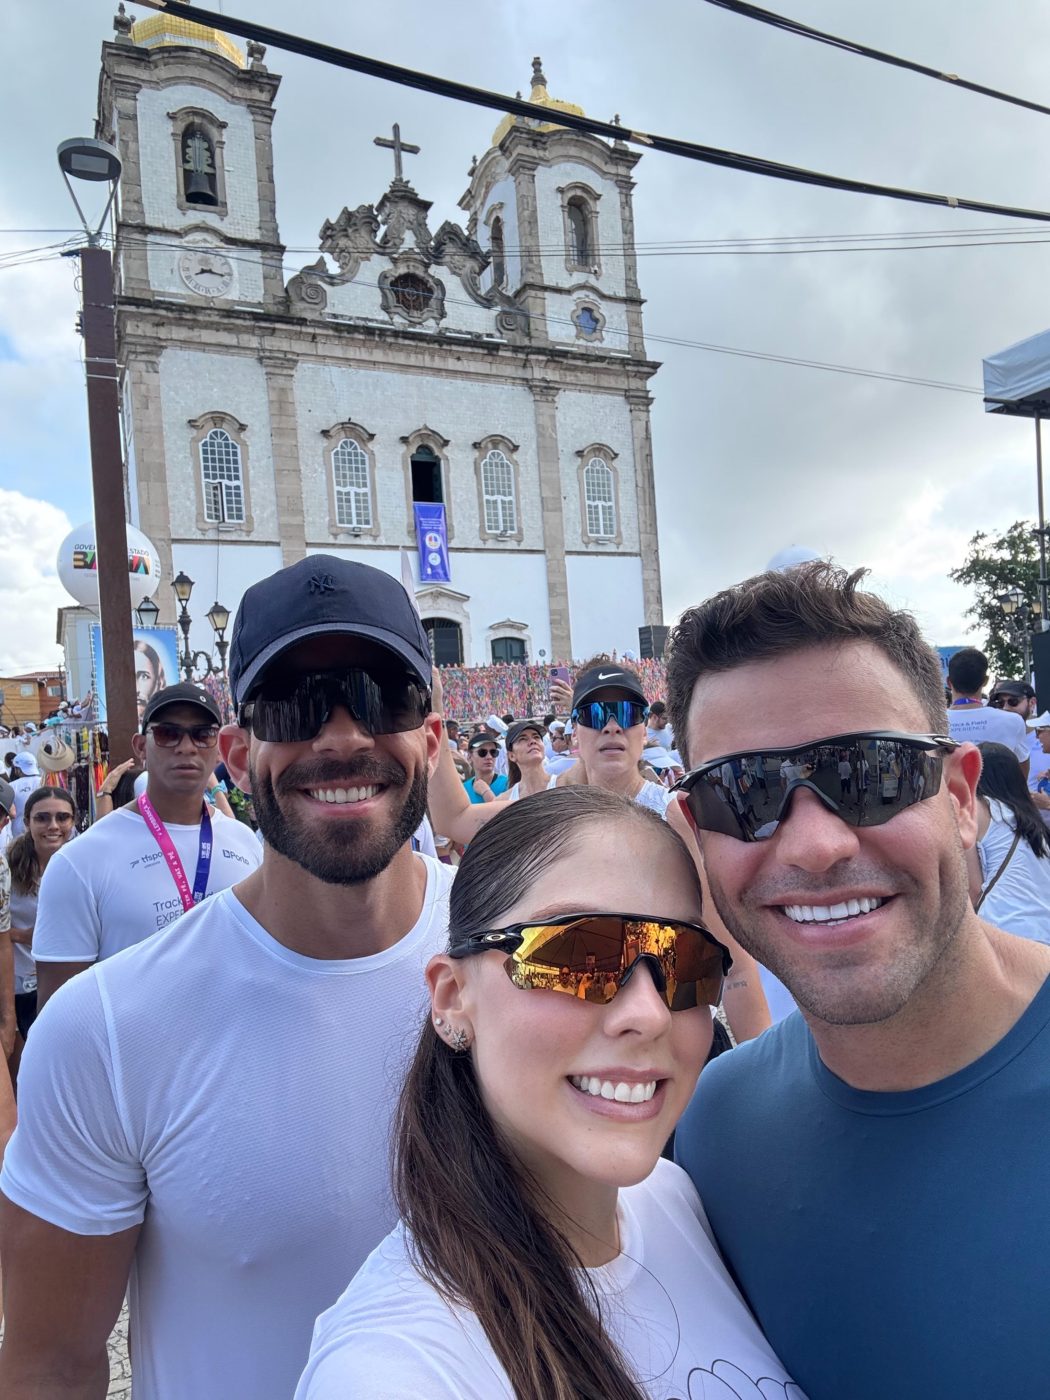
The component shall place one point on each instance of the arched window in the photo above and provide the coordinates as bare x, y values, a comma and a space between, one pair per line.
599, 494
222, 483
497, 489
351, 486
499, 254
446, 641
581, 245
199, 171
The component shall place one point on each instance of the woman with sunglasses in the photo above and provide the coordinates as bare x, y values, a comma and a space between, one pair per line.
50, 814
486, 784
546, 1251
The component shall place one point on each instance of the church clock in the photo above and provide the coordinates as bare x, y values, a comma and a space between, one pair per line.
205, 272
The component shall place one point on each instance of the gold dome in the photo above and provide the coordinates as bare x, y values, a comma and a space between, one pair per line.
166, 31
542, 98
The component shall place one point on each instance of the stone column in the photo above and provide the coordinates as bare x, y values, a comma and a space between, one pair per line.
284, 442
545, 399
142, 368
132, 271
272, 254
523, 167
635, 339
639, 402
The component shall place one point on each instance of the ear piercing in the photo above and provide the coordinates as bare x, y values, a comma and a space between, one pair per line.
458, 1040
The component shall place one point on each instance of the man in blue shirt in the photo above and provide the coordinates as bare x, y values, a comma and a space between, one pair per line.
876, 1168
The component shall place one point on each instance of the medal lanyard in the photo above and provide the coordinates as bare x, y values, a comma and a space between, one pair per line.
159, 832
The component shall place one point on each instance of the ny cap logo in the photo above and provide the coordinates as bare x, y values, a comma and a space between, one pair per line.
321, 583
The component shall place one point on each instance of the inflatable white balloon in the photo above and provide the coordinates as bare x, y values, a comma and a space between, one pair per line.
78, 565
790, 558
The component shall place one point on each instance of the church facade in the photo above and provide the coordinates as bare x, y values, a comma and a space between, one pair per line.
494, 367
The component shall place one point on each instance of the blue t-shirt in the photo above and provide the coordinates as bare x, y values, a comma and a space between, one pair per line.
498, 785
893, 1246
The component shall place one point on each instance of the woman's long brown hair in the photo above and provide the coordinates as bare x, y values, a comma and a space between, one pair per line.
480, 1227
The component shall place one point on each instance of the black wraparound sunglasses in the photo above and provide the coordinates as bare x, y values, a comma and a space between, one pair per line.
865, 778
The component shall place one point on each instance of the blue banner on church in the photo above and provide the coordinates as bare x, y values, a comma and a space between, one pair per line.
432, 538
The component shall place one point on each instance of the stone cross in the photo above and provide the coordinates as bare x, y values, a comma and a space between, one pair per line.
398, 147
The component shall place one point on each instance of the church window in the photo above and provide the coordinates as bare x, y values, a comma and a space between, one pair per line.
221, 480
600, 499
497, 488
199, 176
426, 476
199, 139
580, 241
412, 294
446, 641
587, 321
509, 650
499, 254
353, 496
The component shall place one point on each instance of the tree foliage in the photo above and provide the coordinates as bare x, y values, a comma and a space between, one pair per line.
993, 565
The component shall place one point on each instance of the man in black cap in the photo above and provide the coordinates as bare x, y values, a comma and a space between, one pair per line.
130, 876
213, 1106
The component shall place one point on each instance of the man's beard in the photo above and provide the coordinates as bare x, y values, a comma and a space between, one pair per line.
347, 852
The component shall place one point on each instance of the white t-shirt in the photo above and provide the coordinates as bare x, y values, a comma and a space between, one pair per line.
653, 796
667, 1301
664, 737
23, 915
235, 1098
559, 762
112, 887
22, 787
984, 724
1019, 901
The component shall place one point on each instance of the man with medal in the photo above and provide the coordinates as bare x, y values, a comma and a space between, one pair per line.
144, 866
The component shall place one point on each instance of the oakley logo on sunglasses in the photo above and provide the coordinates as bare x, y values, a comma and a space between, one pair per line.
866, 779
592, 956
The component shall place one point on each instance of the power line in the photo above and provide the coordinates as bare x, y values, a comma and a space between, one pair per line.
805, 31
498, 102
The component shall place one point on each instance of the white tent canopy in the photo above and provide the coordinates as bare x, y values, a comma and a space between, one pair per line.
1017, 379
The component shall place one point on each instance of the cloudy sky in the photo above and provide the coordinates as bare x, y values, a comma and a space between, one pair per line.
750, 456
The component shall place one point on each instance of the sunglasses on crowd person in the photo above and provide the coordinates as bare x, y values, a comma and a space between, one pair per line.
687, 963
746, 795
169, 736
596, 714
292, 709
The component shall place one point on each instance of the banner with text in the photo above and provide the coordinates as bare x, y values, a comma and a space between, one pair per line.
433, 542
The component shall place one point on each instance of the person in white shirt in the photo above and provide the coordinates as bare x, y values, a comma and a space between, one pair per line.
27, 779
117, 883
536, 1209
970, 720
1009, 867
659, 730
209, 1111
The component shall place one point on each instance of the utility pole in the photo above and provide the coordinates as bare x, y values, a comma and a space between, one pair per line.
93, 160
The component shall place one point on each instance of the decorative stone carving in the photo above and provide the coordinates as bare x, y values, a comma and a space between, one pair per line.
464, 257
403, 213
306, 290
408, 292
351, 239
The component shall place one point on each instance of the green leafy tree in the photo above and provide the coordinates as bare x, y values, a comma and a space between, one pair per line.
993, 565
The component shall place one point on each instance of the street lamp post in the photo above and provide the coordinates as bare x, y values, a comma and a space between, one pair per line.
95, 161
147, 613
217, 615
1021, 619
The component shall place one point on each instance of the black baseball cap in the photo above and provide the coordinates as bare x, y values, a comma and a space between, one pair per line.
518, 728
478, 739
316, 597
1018, 690
602, 678
185, 693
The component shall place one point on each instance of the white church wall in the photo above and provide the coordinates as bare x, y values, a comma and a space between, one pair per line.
158, 157
549, 180
163, 252
583, 420
502, 585
221, 573
605, 603
392, 405
194, 383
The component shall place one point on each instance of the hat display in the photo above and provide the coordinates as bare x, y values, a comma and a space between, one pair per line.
27, 765
518, 728
55, 755
609, 676
185, 693
320, 596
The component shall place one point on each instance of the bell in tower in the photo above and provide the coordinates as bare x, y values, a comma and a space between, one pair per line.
198, 168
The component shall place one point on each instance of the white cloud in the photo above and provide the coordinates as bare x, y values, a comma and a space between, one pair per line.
30, 533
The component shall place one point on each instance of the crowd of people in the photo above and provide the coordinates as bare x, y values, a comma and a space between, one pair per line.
642, 1048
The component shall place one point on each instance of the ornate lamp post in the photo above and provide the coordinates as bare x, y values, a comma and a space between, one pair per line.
217, 615
147, 613
1022, 618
